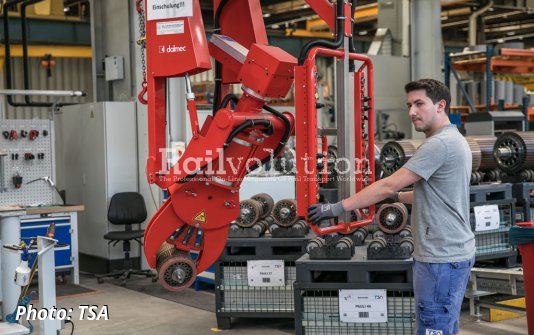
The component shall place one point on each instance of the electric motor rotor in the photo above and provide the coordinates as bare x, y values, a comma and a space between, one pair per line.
476, 154
331, 160
300, 225
514, 151
407, 242
392, 218
378, 233
395, 154
378, 244
406, 231
176, 269
250, 211
344, 243
378, 149
264, 224
485, 144
285, 212
526, 175
267, 203
493, 175
287, 161
317, 242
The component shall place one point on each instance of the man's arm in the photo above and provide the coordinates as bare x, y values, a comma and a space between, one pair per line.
406, 197
382, 189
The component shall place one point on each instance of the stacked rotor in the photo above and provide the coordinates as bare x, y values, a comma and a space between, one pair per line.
395, 154
393, 231
260, 213
255, 214
514, 154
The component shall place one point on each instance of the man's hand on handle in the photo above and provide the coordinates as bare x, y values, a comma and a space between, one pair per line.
320, 212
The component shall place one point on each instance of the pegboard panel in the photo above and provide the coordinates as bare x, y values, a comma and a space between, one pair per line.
28, 145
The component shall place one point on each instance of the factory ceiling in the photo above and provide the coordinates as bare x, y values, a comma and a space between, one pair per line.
503, 21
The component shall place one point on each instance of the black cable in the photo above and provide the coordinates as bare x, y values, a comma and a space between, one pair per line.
352, 48
218, 67
325, 43
248, 124
229, 97
72, 323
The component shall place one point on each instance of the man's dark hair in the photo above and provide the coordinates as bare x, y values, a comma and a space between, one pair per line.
434, 89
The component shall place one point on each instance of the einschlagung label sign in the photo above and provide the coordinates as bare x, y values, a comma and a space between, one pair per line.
168, 9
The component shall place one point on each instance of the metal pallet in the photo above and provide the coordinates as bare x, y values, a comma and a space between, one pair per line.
524, 201
317, 294
235, 298
494, 244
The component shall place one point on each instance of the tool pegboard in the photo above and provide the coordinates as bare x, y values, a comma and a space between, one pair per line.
26, 157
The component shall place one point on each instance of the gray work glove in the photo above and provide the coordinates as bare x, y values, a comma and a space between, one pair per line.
321, 212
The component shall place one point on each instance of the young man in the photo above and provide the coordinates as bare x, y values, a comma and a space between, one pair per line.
440, 171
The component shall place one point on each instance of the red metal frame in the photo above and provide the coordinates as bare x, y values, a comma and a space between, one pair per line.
307, 134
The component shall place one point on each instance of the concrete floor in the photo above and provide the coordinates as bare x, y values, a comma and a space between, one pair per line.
135, 313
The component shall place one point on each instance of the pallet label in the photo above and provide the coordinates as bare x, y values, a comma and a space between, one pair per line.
486, 217
265, 273
363, 306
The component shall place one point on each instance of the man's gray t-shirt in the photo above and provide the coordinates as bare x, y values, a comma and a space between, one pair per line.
440, 209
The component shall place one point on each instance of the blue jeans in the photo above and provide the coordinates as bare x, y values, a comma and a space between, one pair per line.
439, 290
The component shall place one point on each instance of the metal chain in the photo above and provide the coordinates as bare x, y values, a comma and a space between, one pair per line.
142, 43
142, 39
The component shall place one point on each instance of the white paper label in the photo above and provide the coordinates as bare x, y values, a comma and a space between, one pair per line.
363, 306
265, 273
168, 9
170, 27
486, 217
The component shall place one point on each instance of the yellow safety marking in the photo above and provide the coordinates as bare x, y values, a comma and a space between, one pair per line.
200, 217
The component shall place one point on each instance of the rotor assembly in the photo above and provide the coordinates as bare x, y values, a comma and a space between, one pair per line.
392, 218
514, 152
285, 212
176, 269
395, 154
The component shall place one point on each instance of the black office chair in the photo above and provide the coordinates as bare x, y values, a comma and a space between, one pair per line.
127, 208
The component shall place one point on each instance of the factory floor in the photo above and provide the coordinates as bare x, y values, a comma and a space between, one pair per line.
135, 313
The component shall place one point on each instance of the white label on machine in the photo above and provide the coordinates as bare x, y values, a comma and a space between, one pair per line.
486, 217
168, 9
363, 306
265, 273
170, 27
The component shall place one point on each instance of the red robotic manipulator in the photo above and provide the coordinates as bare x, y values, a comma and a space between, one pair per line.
243, 133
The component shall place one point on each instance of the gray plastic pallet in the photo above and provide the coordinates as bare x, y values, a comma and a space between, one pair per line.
239, 249
485, 193
390, 274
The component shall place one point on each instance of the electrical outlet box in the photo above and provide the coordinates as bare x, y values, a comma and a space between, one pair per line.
114, 68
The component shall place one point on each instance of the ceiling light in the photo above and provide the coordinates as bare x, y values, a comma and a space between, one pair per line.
267, 15
275, 26
443, 18
510, 33
305, 6
362, 32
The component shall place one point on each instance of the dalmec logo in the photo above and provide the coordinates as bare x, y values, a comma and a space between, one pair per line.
173, 48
